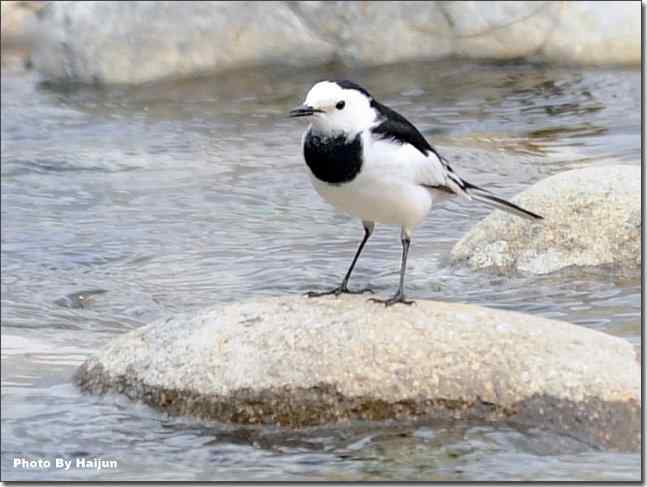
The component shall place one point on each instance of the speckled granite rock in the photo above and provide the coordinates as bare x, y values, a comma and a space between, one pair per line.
137, 42
297, 361
591, 218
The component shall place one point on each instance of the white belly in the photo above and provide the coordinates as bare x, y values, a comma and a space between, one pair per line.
389, 187
395, 202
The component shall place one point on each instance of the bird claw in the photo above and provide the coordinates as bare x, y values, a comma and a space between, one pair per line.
338, 291
360, 291
317, 294
398, 298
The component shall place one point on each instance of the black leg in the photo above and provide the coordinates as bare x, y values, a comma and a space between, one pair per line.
343, 287
399, 296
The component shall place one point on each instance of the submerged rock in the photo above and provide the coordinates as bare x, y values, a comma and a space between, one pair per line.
137, 42
591, 217
296, 361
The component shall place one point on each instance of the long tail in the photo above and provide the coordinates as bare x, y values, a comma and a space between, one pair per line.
459, 186
484, 196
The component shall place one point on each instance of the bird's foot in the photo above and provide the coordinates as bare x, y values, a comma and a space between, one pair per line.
398, 298
338, 291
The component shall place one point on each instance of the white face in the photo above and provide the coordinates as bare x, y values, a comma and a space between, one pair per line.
338, 109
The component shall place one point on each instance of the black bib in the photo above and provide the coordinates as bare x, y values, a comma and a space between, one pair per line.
334, 160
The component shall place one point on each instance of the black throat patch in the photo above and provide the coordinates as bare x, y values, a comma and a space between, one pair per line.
334, 160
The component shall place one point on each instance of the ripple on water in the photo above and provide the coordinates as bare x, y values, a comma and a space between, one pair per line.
172, 197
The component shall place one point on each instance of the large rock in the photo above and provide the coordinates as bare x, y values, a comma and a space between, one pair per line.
590, 33
374, 33
298, 361
136, 42
591, 218
593, 33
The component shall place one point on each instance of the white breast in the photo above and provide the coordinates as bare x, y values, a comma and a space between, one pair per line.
387, 189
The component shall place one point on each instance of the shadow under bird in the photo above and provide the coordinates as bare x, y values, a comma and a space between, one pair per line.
369, 161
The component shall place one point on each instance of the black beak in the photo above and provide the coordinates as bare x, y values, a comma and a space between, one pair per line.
304, 111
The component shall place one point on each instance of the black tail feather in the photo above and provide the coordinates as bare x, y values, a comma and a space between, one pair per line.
490, 199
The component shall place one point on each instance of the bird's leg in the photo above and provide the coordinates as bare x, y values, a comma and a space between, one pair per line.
399, 296
343, 287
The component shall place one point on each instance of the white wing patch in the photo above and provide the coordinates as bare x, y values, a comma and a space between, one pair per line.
405, 161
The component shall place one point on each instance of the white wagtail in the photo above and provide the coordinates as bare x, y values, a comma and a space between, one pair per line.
370, 162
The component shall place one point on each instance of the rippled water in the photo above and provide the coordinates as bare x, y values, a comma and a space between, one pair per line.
123, 205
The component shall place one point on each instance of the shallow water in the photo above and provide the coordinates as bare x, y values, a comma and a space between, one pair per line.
122, 205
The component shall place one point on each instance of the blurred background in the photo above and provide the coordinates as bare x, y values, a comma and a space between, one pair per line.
149, 168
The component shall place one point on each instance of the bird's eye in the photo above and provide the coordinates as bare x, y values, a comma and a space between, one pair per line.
340, 105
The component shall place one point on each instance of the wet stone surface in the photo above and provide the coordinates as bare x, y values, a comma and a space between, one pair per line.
298, 362
591, 218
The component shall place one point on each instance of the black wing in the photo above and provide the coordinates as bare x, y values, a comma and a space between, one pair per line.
394, 126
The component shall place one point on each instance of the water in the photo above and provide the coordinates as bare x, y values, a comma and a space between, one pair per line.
122, 205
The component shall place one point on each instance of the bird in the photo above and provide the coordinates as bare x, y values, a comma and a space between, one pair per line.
370, 162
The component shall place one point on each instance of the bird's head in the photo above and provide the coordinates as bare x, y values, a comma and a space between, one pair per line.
337, 107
